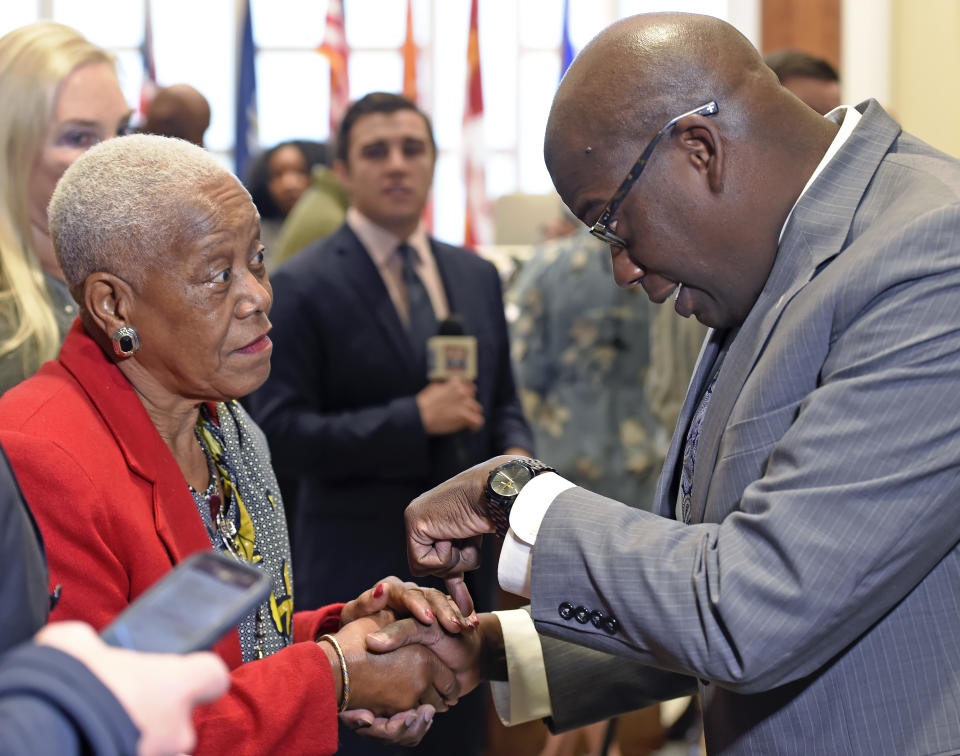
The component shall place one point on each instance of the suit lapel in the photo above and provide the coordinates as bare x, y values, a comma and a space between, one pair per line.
814, 235
453, 286
361, 275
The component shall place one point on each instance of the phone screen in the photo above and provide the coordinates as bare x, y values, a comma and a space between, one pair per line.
190, 608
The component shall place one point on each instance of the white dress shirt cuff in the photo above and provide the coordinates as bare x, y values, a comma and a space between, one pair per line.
525, 696
528, 511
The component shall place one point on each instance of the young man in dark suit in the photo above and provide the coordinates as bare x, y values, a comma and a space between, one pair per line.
348, 409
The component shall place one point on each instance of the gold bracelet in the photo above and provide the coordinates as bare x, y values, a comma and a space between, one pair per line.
345, 695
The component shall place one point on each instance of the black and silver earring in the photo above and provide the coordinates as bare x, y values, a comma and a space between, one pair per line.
126, 341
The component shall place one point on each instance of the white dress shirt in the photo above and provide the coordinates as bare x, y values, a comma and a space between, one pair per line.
382, 246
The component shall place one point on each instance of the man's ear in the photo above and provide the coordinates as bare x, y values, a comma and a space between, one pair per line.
109, 302
698, 135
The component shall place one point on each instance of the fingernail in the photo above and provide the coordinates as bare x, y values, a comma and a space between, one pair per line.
379, 637
428, 716
429, 615
362, 724
378, 592
410, 719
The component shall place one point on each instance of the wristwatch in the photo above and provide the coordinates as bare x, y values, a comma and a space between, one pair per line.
504, 485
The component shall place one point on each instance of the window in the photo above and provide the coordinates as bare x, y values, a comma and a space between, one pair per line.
196, 42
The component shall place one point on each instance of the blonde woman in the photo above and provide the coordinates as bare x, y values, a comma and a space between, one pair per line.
60, 97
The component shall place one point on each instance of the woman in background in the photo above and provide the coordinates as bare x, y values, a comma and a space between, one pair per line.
276, 180
60, 97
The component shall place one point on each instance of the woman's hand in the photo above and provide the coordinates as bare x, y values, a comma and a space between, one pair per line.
409, 600
388, 683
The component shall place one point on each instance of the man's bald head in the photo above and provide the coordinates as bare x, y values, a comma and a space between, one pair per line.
708, 208
641, 71
178, 111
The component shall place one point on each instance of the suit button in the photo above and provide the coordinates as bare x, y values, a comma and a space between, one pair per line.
596, 617
566, 610
581, 614
610, 624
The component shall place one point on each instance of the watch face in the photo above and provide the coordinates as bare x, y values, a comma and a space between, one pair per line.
509, 479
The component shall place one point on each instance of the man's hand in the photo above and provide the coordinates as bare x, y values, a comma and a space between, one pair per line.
388, 683
445, 527
158, 691
449, 406
408, 600
473, 656
406, 728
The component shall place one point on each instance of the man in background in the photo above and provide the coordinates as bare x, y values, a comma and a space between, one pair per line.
811, 79
348, 409
178, 111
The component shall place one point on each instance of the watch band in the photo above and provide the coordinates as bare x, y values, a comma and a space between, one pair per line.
499, 512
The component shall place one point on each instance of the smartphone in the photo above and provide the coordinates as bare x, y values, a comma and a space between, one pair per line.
190, 608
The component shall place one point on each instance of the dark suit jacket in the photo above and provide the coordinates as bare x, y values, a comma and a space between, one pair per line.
340, 413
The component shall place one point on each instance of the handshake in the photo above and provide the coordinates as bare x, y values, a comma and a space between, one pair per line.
403, 653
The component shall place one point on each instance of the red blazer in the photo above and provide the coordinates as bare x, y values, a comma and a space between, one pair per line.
116, 515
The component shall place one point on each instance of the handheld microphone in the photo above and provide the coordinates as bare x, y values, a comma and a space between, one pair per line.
451, 353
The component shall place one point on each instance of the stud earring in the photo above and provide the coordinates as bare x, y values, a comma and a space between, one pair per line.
126, 341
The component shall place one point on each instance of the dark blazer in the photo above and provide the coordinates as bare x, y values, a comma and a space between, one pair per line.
340, 413
815, 591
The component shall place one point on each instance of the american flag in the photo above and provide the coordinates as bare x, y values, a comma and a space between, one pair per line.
477, 225
334, 48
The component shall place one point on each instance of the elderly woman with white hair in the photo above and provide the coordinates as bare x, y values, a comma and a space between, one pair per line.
134, 453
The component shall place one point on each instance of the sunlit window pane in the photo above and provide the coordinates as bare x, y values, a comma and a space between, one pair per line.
540, 23
716, 8
448, 199
375, 72
130, 74
107, 23
14, 13
450, 28
201, 53
375, 23
498, 55
538, 77
288, 23
585, 22
501, 174
291, 106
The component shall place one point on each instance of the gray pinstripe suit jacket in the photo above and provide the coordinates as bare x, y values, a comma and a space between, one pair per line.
816, 594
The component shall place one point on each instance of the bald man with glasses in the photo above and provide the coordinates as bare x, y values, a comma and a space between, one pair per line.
799, 569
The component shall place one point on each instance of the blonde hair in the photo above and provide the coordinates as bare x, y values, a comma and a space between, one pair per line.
34, 60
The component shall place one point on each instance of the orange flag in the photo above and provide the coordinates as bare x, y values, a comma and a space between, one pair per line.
410, 58
336, 51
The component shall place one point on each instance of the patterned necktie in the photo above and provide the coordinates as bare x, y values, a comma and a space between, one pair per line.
690, 452
422, 322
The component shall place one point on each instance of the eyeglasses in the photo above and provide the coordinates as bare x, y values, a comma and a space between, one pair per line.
601, 229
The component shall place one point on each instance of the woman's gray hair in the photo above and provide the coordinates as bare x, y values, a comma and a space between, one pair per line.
124, 202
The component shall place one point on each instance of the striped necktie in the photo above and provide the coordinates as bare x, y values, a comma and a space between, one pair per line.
422, 322
690, 452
